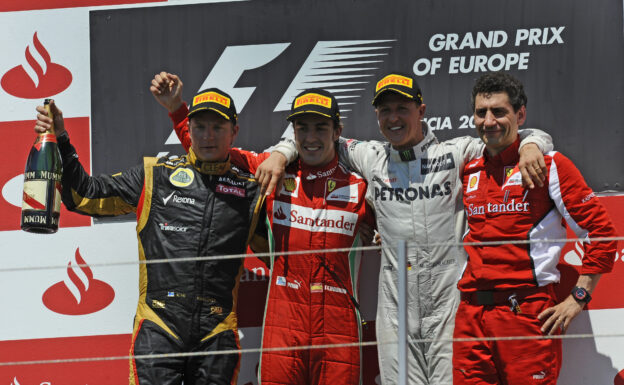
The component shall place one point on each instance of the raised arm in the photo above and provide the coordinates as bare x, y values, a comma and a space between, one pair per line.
105, 195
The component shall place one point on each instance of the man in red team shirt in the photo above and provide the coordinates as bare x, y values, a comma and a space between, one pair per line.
312, 298
507, 289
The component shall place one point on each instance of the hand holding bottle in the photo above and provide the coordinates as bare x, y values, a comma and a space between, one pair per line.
45, 122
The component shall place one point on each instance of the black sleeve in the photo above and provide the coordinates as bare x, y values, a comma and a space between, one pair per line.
104, 195
258, 241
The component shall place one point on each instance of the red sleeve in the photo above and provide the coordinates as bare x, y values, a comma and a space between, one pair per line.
247, 160
584, 213
369, 216
180, 125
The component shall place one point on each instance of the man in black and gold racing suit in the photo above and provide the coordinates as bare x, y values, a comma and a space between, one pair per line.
193, 206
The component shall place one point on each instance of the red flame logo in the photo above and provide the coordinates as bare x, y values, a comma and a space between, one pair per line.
79, 293
280, 214
41, 78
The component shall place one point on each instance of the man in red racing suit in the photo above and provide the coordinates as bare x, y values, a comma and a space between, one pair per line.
312, 297
507, 289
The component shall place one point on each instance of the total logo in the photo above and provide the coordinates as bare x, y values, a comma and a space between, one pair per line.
39, 77
79, 293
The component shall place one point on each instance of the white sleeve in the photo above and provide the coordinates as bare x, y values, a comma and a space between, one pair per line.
287, 148
469, 148
539, 137
354, 154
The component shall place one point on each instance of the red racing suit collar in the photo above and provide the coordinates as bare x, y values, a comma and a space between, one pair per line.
314, 172
506, 157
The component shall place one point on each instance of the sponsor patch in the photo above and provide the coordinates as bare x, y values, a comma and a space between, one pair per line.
280, 281
473, 182
335, 289
312, 98
315, 220
176, 229
182, 177
441, 163
231, 190
156, 304
291, 186
394, 79
588, 197
212, 97
348, 193
178, 199
411, 194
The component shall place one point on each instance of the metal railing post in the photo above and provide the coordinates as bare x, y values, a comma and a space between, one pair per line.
402, 337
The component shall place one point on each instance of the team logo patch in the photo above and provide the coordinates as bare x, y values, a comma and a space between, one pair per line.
212, 97
182, 177
512, 176
316, 287
394, 79
473, 182
280, 281
331, 185
315, 99
508, 171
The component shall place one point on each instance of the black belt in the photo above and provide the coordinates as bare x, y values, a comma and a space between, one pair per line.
503, 297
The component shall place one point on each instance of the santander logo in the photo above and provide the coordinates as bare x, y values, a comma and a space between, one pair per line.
79, 293
40, 78
279, 214
15, 382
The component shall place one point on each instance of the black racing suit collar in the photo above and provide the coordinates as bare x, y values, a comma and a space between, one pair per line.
210, 168
418, 150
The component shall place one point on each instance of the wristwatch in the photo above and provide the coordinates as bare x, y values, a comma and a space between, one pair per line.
581, 295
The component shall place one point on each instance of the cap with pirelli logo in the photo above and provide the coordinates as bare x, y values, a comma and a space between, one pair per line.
315, 101
399, 83
213, 99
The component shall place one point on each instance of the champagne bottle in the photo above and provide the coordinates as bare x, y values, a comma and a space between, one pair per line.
41, 200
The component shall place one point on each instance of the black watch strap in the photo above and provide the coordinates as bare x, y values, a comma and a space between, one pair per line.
581, 295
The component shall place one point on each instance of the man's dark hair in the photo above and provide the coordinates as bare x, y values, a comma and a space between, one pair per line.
500, 82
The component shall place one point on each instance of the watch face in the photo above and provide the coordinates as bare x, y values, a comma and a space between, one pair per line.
580, 293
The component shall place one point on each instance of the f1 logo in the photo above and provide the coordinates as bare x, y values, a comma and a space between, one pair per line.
233, 62
347, 64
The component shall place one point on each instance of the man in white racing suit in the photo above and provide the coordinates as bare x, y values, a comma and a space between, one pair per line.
416, 191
